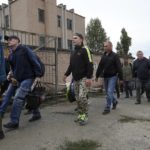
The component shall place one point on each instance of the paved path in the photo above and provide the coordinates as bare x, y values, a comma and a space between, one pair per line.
127, 128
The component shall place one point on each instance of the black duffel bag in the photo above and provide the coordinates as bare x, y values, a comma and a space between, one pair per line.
35, 97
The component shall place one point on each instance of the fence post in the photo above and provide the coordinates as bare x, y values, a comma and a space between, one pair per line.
56, 66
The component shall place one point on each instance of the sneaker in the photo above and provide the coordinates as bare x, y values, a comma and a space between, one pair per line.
1, 135
34, 118
115, 105
82, 119
106, 111
11, 125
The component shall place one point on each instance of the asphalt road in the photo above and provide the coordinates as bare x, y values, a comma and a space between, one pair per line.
126, 128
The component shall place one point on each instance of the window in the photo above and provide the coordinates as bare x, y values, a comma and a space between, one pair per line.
69, 24
41, 15
6, 21
70, 44
59, 43
59, 21
42, 41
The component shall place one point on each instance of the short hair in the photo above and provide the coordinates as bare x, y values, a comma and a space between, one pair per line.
139, 52
109, 42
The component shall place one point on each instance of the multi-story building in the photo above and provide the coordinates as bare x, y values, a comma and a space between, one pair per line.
43, 18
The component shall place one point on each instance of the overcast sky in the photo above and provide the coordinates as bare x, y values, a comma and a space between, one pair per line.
133, 15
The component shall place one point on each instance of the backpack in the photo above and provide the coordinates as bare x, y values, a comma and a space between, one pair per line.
42, 66
40, 62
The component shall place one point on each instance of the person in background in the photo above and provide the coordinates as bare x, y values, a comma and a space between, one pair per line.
127, 77
81, 67
110, 69
141, 71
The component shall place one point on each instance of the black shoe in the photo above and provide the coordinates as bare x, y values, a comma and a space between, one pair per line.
1, 135
137, 103
106, 111
115, 105
11, 125
34, 118
127, 97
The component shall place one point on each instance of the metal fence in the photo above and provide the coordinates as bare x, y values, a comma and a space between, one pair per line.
46, 48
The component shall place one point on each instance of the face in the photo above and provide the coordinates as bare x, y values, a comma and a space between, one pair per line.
139, 55
13, 42
77, 40
107, 47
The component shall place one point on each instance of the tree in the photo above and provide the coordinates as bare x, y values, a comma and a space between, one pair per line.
119, 48
95, 35
125, 41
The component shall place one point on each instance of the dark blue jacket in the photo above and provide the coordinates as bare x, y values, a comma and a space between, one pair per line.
24, 64
2, 64
141, 69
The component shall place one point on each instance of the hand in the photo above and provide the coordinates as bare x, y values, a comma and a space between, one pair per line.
64, 78
14, 81
9, 77
88, 82
37, 79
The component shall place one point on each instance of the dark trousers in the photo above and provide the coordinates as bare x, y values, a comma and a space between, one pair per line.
127, 88
140, 85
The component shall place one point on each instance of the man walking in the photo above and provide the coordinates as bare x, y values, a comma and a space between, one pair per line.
141, 71
81, 67
25, 70
110, 69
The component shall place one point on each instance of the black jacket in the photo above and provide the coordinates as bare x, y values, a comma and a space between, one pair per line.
109, 66
141, 68
81, 64
24, 64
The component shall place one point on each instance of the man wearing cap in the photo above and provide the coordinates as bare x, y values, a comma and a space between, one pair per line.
25, 69
81, 67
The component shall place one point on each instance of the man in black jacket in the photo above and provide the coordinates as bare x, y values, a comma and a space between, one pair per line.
141, 71
110, 69
81, 67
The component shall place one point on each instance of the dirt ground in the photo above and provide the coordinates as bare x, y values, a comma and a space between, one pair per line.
126, 128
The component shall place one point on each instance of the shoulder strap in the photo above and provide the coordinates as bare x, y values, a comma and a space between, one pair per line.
89, 54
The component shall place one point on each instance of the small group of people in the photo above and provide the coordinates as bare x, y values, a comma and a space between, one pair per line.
112, 72
25, 70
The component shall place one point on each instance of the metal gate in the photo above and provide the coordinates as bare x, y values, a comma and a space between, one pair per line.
46, 49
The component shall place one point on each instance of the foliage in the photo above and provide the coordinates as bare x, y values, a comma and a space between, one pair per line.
95, 35
80, 145
124, 44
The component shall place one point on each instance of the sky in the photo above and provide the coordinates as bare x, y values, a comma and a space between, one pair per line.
133, 15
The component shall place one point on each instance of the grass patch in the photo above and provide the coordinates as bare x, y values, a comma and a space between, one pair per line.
126, 119
80, 145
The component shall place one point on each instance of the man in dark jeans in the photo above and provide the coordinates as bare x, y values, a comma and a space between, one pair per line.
141, 71
110, 68
25, 70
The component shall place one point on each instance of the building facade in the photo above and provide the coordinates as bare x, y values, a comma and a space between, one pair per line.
43, 18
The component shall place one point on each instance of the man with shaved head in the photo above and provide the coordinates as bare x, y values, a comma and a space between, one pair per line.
110, 69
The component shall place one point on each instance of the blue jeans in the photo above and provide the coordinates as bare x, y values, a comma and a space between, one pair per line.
19, 100
6, 99
110, 84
